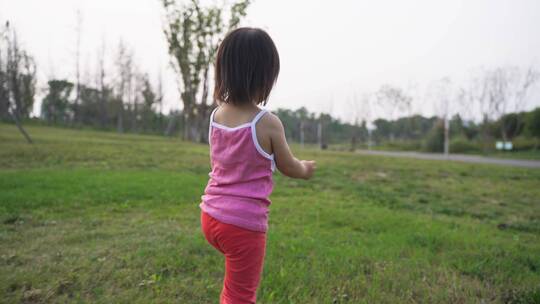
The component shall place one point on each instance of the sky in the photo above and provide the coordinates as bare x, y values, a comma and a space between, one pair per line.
331, 52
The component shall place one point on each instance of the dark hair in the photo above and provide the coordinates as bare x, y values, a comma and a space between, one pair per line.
247, 66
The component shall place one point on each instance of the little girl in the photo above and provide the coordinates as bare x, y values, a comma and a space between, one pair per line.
246, 145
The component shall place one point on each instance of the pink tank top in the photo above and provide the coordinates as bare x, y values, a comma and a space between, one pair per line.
241, 177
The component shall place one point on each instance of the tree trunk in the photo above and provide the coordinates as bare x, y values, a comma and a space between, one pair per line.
185, 133
76, 105
195, 119
320, 135
446, 137
369, 140
353, 143
484, 134
103, 117
302, 138
504, 133
170, 125
120, 121
204, 119
134, 117
204, 113
20, 127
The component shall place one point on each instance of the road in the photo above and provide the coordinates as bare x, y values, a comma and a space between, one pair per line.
458, 157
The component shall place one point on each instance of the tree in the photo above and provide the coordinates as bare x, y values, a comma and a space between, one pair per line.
101, 84
477, 99
434, 140
136, 91
124, 83
159, 100
78, 31
533, 124
444, 95
55, 105
18, 80
500, 91
302, 115
149, 99
4, 92
511, 124
193, 33
383, 128
323, 136
507, 90
393, 100
360, 110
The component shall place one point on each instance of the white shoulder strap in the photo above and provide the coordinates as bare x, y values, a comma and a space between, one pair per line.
254, 135
258, 116
210, 124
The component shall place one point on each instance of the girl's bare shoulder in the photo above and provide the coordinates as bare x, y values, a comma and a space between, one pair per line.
270, 124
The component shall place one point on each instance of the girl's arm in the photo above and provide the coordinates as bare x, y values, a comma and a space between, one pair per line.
285, 160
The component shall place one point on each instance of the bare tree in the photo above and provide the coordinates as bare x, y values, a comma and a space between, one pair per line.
476, 99
360, 109
4, 93
303, 117
325, 118
497, 92
140, 83
124, 83
193, 33
78, 31
55, 105
160, 93
102, 86
18, 80
149, 100
159, 98
392, 101
443, 95
507, 91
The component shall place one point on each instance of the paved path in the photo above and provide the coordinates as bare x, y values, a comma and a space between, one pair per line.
458, 157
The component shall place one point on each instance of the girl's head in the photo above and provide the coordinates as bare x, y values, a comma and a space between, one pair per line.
247, 66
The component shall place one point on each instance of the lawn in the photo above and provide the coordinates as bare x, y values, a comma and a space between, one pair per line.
89, 216
416, 146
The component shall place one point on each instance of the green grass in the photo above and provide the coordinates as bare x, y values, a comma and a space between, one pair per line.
525, 153
530, 155
99, 217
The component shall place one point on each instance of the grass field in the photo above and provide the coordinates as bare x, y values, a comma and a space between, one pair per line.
416, 146
98, 217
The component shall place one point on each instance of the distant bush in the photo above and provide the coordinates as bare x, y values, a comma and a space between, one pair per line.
533, 123
463, 145
401, 145
434, 141
522, 143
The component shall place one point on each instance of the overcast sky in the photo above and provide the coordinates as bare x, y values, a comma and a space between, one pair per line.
330, 50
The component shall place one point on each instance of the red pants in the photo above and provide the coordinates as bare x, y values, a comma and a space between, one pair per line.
244, 256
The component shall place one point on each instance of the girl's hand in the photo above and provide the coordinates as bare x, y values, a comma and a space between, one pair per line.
309, 168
